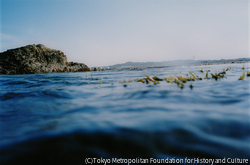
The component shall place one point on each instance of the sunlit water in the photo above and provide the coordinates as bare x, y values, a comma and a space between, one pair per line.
58, 117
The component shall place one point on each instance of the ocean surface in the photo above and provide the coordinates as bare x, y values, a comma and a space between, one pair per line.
59, 118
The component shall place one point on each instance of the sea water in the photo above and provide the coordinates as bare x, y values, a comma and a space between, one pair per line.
68, 117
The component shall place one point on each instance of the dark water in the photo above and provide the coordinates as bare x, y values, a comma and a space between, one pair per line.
59, 118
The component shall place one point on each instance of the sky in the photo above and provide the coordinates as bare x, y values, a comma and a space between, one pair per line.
107, 32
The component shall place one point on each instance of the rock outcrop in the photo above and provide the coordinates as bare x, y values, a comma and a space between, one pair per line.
32, 59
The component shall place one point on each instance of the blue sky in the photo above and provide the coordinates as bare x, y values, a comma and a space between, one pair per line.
106, 32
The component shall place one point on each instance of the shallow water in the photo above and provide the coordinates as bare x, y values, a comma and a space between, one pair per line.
59, 118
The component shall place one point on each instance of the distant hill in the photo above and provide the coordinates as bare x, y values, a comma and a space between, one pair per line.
163, 63
143, 65
180, 62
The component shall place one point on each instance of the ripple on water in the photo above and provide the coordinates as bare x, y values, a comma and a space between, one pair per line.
60, 118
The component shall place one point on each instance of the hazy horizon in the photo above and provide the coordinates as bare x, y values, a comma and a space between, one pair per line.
104, 33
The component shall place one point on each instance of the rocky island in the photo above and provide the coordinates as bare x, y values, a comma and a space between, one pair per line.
33, 59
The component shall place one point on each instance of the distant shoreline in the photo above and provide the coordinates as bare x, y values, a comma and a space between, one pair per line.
145, 65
